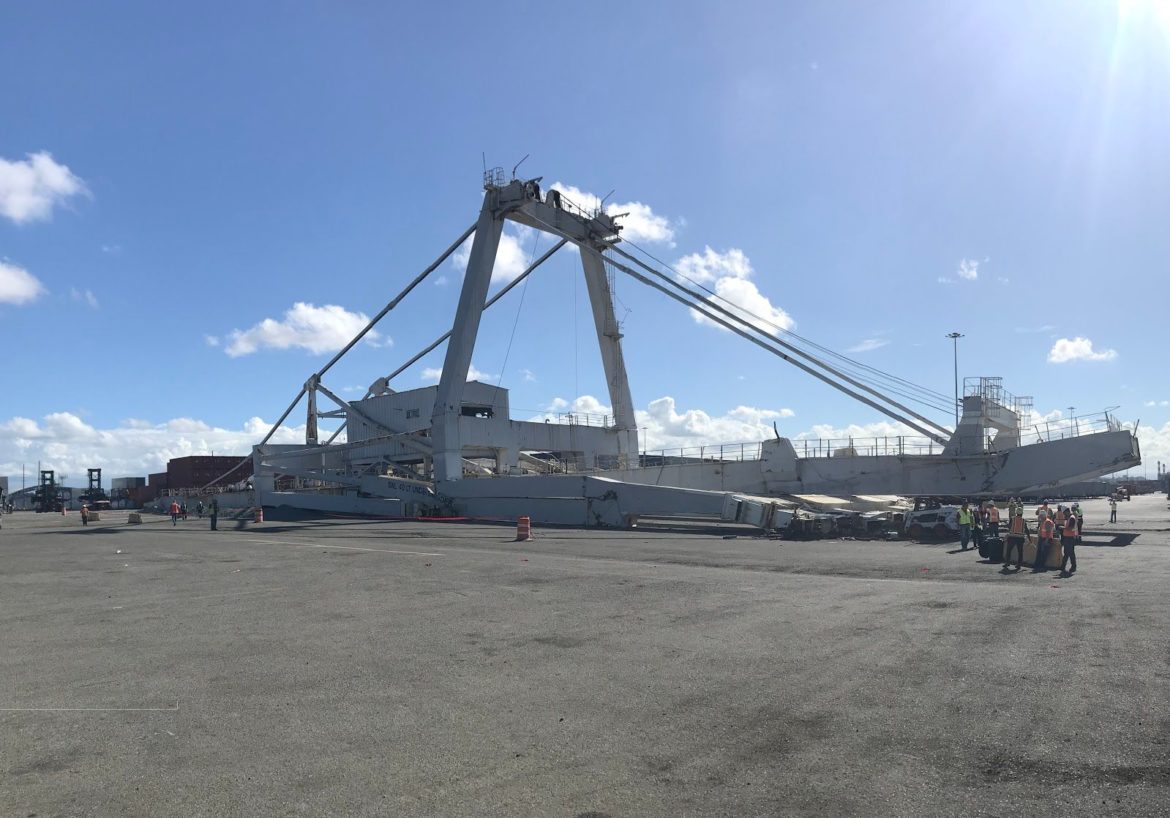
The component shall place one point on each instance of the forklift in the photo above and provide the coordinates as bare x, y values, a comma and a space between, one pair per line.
47, 497
94, 496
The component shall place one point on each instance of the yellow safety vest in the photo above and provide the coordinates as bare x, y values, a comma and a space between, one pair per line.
964, 517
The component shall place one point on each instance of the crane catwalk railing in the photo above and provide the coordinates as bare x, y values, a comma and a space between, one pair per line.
1043, 431
894, 446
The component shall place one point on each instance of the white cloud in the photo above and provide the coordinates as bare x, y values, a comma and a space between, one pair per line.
750, 304
727, 275
317, 329
1078, 349
510, 258
62, 441
661, 425
968, 269
1157, 403
432, 374
858, 432
211, 340
640, 224
87, 296
945, 280
31, 188
529, 375
711, 265
869, 344
441, 281
18, 285
111, 248
1155, 443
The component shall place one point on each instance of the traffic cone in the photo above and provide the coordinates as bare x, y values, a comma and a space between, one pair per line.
523, 529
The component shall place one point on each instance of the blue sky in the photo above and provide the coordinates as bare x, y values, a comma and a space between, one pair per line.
173, 176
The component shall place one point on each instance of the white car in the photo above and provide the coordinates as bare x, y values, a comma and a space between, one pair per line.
938, 523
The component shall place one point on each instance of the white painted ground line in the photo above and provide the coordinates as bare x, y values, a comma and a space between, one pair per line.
174, 709
343, 547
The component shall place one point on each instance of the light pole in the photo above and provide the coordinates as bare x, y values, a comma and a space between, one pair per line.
1072, 420
955, 336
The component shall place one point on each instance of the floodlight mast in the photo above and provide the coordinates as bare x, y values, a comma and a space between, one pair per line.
521, 201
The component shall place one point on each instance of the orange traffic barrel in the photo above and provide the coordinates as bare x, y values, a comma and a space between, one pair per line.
523, 529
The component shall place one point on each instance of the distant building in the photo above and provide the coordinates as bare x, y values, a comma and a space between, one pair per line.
198, 471
130, 492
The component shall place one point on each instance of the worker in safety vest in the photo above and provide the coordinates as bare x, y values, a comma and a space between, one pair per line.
1112, 509
978, 527
1044, 535
1080, 515
1017, 531
966, 521
992, 519
1068, 542
1042, 512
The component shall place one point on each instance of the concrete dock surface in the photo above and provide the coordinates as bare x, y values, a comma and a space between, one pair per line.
362, 668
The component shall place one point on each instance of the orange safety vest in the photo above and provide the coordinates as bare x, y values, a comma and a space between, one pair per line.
1047, 529
1018, 526
1070, 526
993, 514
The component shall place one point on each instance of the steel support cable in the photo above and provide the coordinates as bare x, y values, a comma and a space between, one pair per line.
761, 343
772, 338
267, 437
407, 437
544, 257
928, 397
861, 376
515, 324
394, 302
884, 381
908, 396
856, 364
849, 365
810, 342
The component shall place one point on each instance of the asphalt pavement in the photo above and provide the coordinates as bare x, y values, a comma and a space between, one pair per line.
358, 668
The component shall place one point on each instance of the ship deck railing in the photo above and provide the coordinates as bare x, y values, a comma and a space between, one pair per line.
891, 445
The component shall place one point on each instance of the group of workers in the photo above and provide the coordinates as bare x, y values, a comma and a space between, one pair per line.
1067, 522
179, 511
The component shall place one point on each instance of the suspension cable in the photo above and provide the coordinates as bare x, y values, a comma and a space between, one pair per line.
947, 399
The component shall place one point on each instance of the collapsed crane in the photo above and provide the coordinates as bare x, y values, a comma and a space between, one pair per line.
427, 448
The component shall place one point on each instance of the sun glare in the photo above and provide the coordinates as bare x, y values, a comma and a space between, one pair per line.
1144, 11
